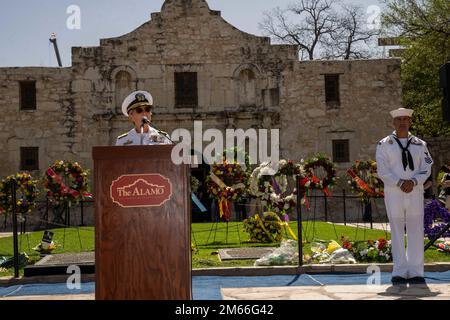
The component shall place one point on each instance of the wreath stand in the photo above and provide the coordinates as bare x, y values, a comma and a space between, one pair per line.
23, 227
366, 209
215, 225
65, 210
67, 224
367, 200
313, 221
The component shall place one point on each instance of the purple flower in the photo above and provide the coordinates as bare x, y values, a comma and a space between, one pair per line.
433, 211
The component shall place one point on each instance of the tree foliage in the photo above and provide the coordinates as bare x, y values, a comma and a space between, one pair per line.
423, 28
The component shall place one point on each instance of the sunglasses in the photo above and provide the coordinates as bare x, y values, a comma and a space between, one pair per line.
139, 110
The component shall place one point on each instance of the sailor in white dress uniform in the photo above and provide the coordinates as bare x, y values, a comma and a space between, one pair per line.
404, 164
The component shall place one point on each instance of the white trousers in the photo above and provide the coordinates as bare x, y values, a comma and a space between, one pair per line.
406, 210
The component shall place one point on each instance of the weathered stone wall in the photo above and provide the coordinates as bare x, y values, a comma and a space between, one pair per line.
243, 82
182, 38
50, 127
369, 89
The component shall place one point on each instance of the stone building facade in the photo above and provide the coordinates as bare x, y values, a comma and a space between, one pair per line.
198, 67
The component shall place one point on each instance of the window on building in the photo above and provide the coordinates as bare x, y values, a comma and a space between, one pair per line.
247, 88
341, 151
29, 158
186, 93
123, 88
271, 97
27, 95
332, 97
275, 97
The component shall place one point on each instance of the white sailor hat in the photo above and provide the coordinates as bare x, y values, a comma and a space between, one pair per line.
136, 99
402, 112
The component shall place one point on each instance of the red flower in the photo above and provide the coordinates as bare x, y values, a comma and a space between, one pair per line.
381, 243
347, 245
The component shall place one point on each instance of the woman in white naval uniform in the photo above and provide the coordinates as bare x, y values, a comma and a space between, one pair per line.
138, 106
404, 163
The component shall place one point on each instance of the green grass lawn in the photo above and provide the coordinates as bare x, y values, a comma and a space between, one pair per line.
207, 238
67, 240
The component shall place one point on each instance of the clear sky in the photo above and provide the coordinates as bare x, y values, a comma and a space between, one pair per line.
25, 26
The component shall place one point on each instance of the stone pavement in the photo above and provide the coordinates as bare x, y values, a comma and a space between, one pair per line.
328, 292
340, 292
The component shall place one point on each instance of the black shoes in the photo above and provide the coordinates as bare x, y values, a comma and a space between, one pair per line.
398, 280
416, 280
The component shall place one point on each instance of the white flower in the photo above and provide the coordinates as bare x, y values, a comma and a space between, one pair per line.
283, 163
266, 171
274, 197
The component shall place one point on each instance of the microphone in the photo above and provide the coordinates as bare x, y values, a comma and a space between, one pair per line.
145, 121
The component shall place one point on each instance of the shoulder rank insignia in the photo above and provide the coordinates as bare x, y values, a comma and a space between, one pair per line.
416, 141
428, 158
122, 136
390, 141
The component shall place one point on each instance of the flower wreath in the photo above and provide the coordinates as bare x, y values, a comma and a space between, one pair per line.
272, 189
227, 182
27, 193
371, 186
433, 211
66, 182
266, 229
310, 181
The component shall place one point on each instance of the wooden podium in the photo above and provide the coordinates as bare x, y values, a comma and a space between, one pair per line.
142, 224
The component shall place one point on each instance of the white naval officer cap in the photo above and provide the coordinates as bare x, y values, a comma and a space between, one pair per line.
402, 112
136, 99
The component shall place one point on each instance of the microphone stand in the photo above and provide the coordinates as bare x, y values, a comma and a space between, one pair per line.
142, 133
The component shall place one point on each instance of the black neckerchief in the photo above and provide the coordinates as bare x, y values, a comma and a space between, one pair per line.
406, 155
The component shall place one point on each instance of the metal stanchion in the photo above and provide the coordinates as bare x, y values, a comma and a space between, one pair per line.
15, 238
299, 223
82, 212
345, 208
